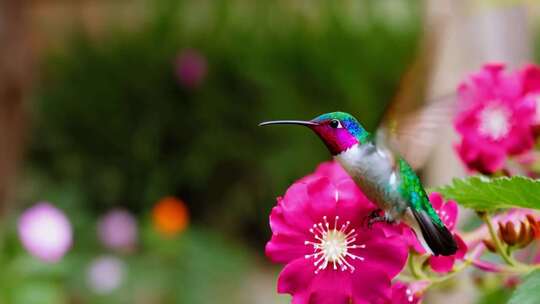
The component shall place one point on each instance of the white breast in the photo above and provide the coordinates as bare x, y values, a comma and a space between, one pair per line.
372, 170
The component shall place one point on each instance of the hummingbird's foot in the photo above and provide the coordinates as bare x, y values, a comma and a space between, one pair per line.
378, 216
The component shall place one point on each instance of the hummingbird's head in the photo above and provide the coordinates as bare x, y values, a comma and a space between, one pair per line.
338, 130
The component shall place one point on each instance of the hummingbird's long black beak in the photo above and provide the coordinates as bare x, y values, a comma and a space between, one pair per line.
289, 122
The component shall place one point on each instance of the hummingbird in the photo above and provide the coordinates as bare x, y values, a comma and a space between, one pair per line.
383, 174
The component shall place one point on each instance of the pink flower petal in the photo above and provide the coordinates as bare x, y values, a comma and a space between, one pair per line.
385, 253
462, 247
531, 79
295, 205
323, 196
332, 287
487, 266
370, 285
279, 225
407, 293
448, 214
296, 279
436, 200
283, 249
412, 241
442, 264
332, 170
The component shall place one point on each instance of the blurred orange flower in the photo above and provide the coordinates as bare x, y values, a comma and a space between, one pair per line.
170, 216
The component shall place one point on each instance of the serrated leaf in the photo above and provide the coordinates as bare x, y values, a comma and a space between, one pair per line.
482, 193
529, 291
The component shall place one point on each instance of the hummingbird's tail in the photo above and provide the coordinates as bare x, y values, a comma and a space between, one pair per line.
438, 237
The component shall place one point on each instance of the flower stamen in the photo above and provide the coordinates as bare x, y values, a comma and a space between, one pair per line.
494, 122
333, 245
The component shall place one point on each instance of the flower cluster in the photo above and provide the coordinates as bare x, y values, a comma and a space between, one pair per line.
47, 234
332, 256
497, 116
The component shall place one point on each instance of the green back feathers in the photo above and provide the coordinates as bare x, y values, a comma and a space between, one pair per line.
413, 192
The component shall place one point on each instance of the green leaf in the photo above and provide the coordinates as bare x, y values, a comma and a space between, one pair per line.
529, 291
499, 295
482, 193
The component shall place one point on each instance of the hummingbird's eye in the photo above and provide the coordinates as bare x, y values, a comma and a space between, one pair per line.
335, 124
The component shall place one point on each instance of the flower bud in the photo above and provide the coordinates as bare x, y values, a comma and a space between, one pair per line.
519, 236
535, 226
525, 236
510, 234
489, 245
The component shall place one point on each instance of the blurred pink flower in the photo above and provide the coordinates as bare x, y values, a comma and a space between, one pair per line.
105, 274
117, 230
330, 256
448, 212
45, 232
403, 293
191, 68
495, 118
530, 75
531, 86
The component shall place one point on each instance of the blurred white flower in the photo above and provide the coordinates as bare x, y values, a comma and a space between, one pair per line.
118, 230
45, 232
105, 274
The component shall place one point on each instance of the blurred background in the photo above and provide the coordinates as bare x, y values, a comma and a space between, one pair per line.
132, 169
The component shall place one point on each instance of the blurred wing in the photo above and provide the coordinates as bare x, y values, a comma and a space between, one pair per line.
414, 135
410, 124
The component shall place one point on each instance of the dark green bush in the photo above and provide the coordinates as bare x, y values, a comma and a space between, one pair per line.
113, 124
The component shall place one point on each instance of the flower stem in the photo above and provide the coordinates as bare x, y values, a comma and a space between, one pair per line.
413, 267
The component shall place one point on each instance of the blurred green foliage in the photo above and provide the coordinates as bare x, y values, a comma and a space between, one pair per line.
195, 267
113, 125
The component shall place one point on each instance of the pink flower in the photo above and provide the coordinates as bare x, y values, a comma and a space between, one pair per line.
45, 232
191, 68
105, 274
117, 230
530, 75
403, 293
448, 212
330, 256
531, 86
495, 118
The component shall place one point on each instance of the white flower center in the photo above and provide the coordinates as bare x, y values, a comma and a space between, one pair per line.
494, 122
332, 246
